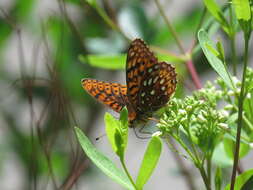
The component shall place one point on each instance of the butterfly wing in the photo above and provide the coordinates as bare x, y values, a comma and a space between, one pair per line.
139, 60
156, 87
113, 95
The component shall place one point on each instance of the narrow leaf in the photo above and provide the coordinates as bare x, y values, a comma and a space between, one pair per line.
248, 185
243, 181
242, 9
118, 61
92, 3
105, 61
102, 162
218, 179
111, 125
214, 61
149, 161
215, 10
124, 127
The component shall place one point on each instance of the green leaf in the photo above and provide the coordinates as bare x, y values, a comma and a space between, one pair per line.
119, 143
102, 162
117, 131
218, 179
248, 185
214, 61
116, 62
221, 51
92, 3
149, 161
242, 9
215, 10
229, 145
111, 125
244, 179
124, 127
105, 61
220, 157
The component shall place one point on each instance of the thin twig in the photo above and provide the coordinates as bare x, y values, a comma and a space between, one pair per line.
240, 113
189, 63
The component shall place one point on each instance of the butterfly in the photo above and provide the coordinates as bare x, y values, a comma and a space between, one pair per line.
149, 85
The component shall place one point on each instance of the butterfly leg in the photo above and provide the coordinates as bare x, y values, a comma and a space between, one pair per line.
140, 137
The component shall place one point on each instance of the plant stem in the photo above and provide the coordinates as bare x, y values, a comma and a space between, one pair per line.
110, 22
204, 177
240, 114
189, 63
194, 74
232, 38
209, 167
234, 59
128, 174
173, 32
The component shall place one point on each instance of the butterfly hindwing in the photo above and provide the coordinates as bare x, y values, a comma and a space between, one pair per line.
156, 87
113, 95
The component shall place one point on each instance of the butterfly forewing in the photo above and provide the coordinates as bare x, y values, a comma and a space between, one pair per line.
139, 60
113, 95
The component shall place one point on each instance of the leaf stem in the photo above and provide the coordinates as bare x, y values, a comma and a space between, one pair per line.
173, 32
109, 21
204, 177
127, 173
240, 112
232, 38
209, 168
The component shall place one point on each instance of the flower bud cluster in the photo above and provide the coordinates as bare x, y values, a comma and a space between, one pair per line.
198, 115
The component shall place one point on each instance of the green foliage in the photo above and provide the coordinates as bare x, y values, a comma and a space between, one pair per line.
204, 124
213, 57
197, 117
119, 61
242, 9
101, 161
218, 179
215, 10
149, 162
117, 132
241, 180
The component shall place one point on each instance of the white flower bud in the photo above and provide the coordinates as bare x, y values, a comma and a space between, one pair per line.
235, 81
231, 93
223, 114
188, 108
182, 112
248, 96
157, 134
201, 102
228, 107
223, 126
201, 118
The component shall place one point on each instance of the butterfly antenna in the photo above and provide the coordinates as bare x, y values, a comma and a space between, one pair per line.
99, 137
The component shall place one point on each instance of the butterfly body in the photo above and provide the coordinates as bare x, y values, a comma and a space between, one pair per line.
149, 85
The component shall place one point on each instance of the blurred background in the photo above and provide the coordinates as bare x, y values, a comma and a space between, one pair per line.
44, 48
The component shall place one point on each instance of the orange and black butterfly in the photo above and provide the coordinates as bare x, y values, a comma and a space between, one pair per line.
149, 85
